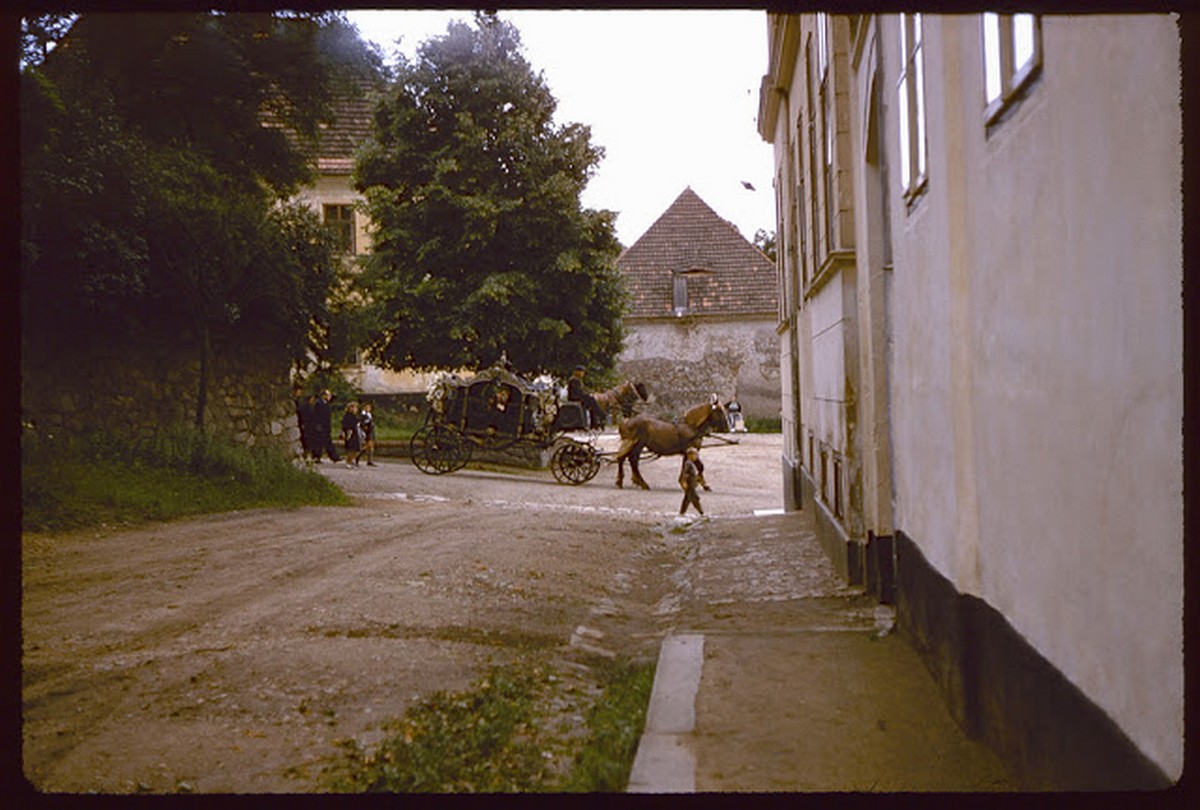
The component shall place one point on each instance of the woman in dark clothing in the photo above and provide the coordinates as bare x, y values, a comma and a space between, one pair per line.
319, 438
351, 434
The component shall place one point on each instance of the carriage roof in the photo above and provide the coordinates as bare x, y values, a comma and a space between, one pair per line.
494, 374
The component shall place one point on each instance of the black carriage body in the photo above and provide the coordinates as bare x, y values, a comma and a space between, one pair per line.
494, 410
494, 403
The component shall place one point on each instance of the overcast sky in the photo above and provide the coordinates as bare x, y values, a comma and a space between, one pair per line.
672, 96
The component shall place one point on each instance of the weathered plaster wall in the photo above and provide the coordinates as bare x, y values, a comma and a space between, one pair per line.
826, 407
1036, 392
685, 360
1077, 334
335, 189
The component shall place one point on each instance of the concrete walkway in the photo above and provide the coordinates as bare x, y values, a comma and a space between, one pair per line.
778, 677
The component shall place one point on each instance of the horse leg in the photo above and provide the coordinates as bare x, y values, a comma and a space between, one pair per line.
633, 467
622, 452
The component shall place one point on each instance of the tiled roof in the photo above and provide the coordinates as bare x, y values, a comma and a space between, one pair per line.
352, 113
728, 275
350, 129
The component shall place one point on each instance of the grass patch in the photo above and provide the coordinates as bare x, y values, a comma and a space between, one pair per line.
483, 740
494, 738
397, 426
615, 726
758, 424
74, 482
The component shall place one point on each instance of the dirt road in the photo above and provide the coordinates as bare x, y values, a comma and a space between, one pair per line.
231, 653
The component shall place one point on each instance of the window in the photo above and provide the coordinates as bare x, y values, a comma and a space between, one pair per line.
340, 219
1012, 54
680, 298
827, 125
911, 106
824, 476
802, 246
837, 486
822, 45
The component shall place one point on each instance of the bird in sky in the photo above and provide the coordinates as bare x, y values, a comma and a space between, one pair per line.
748, 186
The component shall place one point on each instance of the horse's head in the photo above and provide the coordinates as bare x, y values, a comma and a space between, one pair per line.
626, 396
709, 417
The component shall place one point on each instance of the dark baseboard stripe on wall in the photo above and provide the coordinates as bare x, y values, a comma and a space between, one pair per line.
1003, 691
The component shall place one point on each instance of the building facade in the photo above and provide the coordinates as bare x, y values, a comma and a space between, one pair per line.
703, 307
980, 252
333, 197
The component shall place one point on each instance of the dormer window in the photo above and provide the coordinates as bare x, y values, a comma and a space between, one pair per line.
680, 298
680, 302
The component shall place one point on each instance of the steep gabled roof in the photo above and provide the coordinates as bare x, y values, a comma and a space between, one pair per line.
727, 275
351, 127
352, 110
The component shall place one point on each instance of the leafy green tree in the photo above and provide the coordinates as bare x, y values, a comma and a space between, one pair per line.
480, 244
153, 194
765, 241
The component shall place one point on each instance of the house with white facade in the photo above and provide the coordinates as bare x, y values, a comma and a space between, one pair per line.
339, 205
980, 252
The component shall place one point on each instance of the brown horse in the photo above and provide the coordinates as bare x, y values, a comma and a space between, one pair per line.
666, 438
622, 399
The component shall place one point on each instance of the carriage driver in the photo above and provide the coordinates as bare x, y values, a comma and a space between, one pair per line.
577, 393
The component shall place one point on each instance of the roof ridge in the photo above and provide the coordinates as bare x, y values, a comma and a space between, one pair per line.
689, 235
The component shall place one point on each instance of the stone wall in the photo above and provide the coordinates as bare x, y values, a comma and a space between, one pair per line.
151, 386
685, 360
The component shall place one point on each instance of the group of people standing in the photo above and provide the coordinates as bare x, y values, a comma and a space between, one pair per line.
315, 417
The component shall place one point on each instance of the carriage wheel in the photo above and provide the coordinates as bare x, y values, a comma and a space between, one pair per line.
437, 450
575, 462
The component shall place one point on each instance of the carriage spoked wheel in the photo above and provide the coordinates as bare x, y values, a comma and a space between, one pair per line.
437, 450
574, 462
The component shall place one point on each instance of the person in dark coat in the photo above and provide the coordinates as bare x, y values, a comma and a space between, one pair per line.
577, 393
321, 438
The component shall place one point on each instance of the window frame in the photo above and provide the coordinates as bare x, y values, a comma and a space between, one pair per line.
912, 121
824, 94
679, 292
1013, 80
345, 227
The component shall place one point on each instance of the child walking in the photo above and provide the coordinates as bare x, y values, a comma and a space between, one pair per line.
689, 474
367, 423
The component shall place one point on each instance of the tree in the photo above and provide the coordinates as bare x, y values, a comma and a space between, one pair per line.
480, 244
153, 194
765, 241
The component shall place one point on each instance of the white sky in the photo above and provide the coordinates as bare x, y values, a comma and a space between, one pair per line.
672, 96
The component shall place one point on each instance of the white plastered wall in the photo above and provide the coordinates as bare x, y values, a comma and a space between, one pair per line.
1049, 257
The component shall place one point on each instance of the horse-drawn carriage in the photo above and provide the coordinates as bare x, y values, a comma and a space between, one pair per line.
496, 410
